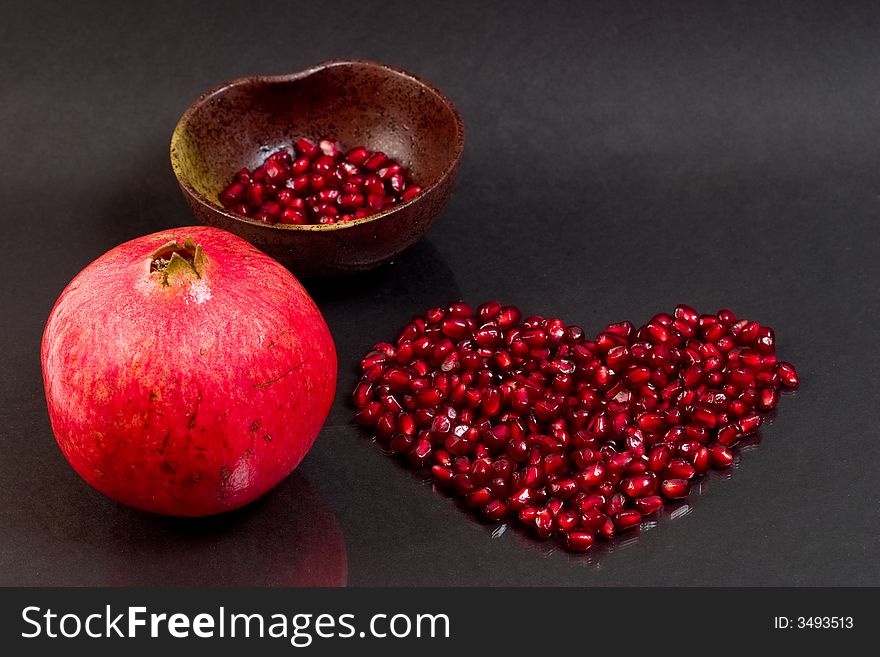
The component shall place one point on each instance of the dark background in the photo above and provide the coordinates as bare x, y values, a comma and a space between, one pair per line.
621, 157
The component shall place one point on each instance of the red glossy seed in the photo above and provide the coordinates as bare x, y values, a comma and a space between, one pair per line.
649, 504
326, 209
627, 520
462, 484
385, 427
674, 488
651, 422
615, 503
787, 375
396, 182
375, 202
567, 520
256, 195
300, 166
659, 458
703, 417
234, 193
351, 200
590, 477
375, 162
276, 172
306, 148
721, 456
370, 414
442, 474
362, 394
357, 155
748, 424
640, 485
428, 397
456, 328
687, 314
479, 498
637, 375
291, 215
728, 435
563, 488
766, 341
328, 195
410, 193
701, 459
619, 462
496, 510
741, 378
406, 424
420, 452
578, 541
767, 399
680, 469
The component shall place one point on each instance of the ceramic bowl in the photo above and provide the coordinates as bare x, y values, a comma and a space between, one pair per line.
239, 123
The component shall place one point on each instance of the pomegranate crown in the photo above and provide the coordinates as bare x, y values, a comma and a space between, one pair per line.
174, 262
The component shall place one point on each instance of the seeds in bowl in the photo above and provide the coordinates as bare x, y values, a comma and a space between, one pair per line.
319, 183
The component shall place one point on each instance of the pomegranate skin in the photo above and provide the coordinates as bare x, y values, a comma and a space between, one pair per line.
189, 391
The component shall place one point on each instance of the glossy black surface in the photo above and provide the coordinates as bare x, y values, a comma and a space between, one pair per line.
621, 158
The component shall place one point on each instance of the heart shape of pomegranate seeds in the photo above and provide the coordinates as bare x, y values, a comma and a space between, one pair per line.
527, 418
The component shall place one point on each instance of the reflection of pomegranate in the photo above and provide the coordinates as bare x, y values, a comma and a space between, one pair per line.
186, 372
288, 538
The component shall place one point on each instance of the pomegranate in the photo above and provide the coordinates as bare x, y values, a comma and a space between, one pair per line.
527, 418
320, 183
186, 372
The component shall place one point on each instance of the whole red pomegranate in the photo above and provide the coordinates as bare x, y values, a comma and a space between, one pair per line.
186, 372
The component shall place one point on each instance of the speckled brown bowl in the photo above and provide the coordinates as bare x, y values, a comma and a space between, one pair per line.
364, 103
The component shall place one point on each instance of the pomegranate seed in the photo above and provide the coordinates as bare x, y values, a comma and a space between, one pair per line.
291, 215
721, 456
679, 469
306, 148
749, 423
674, 488
300, 166
442, 474
396, 182
375, 162
329, 148
578, 541
527, 417
639, 486
787, 375
410, 193
649, 504
496, 510
234, 193
768, 398
320, 173
627, 519
351, 200
456, 328
357, 155
651, 422
659, 457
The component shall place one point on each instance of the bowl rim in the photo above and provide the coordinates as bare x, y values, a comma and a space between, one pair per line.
176, 136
